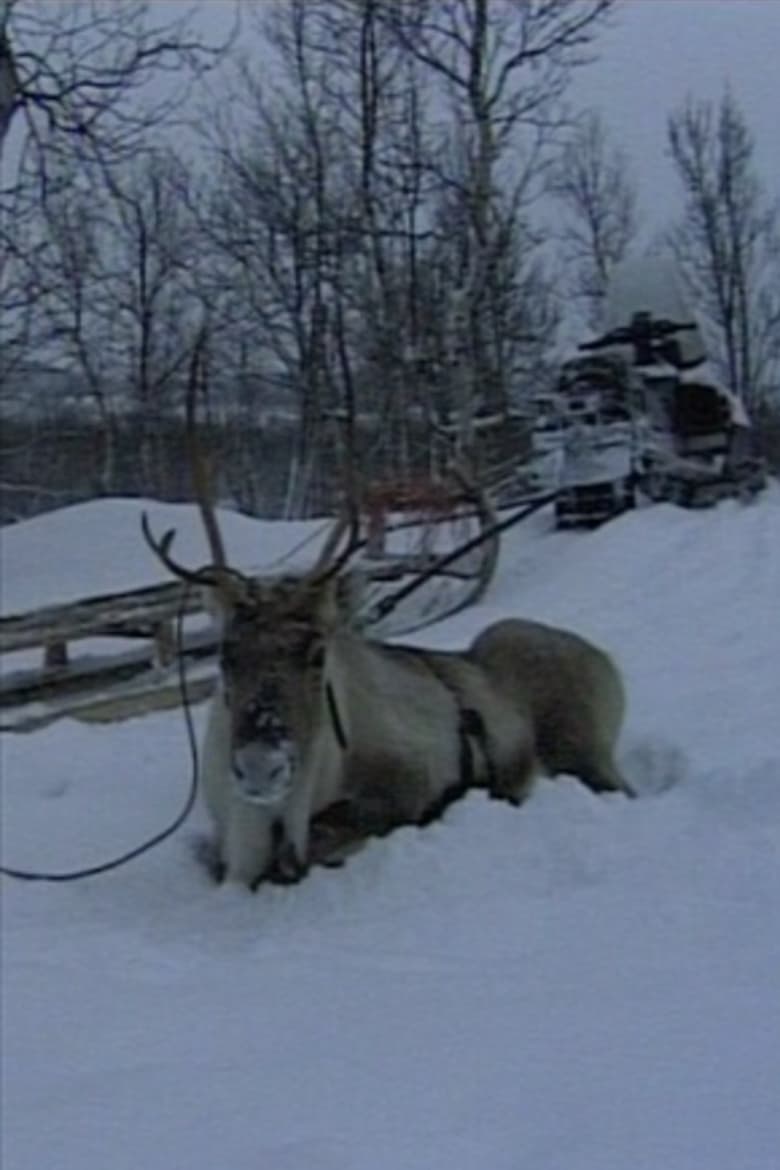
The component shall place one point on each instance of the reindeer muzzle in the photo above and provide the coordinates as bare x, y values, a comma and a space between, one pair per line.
263, 775
264, 760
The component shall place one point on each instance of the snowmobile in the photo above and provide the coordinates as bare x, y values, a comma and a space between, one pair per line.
595, 473
692, 440
644, 416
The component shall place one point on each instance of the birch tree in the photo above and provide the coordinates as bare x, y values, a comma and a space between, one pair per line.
595, 189
728, 242
504, 67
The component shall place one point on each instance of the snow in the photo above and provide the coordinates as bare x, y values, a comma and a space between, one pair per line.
96, 548
584, 984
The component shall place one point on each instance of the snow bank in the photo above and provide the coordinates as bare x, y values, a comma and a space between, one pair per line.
97, 547
584, 984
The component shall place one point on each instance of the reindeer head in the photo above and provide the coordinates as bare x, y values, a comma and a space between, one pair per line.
273, 661
274, 636
272, 633
273, 646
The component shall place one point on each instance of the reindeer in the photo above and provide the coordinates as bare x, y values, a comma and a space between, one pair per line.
312, 716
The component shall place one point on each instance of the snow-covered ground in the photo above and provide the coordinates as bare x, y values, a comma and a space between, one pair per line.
584, 984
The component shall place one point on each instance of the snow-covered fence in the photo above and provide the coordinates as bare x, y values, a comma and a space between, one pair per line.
134, 613
37, 646
147, 614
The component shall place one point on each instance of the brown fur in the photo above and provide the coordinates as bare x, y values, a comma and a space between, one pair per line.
401, 708
569, 689
533, 696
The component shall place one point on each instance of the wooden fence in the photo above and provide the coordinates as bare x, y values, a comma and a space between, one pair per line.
158, 620
148, 616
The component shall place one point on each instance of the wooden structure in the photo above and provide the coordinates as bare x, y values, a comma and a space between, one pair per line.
148, 615
409, 528
67, 682
137, 613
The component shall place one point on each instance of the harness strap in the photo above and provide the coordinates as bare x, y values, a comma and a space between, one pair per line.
471, 731
465, 735
471, 728
335, 718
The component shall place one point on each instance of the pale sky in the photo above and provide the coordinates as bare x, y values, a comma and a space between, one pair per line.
657, 52
660, 50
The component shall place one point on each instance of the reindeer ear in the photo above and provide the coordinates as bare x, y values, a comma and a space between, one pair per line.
326, 603
222, 595
351, 589
216, 602
340, 598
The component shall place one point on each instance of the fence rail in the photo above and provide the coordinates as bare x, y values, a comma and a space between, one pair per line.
147, 614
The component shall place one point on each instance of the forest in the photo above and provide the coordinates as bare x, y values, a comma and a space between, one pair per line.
387, 217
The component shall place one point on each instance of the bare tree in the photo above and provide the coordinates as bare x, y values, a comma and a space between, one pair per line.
376, 327
387, 260
75, 95
74, 79
19, 290
277, 207
120, 296
504, 66
150, 298
728, 242
74, 256
593, 183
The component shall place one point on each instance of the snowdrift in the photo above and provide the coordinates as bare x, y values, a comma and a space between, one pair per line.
584, 984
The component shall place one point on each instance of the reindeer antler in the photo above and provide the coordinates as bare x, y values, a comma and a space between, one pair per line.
214, 573
161, 549
199, 466
328, 564
236, 584
218, 572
